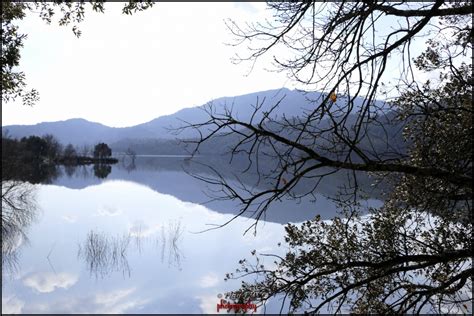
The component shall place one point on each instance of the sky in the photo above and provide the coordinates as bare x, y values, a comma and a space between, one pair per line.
126, 70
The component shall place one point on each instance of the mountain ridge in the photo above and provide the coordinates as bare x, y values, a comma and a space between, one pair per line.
79, 131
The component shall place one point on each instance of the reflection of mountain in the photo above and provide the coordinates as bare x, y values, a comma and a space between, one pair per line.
166, 175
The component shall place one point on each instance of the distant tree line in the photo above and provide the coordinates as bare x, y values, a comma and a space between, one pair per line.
38, 153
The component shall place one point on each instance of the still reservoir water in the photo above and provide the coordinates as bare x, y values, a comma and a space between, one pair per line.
130, 240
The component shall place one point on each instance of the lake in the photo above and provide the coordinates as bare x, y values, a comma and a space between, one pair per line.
135, 238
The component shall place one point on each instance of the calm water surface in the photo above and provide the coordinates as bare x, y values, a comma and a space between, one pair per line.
132, 242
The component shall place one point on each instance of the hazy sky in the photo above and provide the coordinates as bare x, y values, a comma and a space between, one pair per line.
125, 70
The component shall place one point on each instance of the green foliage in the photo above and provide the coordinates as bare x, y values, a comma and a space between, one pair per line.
13, 81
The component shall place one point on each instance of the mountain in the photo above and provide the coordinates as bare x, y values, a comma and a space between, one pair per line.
80, 132
73, 131
293, 103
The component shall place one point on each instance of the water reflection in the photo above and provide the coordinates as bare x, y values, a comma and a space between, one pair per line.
18, 212
101, 171
33, 173
166, 175
117, 244
104, 254
175, 232
70, 169
131, 258
128, 162
84, 172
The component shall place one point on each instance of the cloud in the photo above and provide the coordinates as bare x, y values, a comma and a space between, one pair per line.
116, 302
107, 210
111, 298
110, 302
139, 229
208, 304
209, 280
48, 282
12, 305
70, 218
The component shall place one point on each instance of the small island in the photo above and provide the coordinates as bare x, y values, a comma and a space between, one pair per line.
35, 159
101, 155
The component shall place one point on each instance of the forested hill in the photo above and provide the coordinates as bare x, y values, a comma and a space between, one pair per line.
156, 136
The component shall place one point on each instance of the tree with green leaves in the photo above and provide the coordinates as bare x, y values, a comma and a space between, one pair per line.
70, 12
411, 255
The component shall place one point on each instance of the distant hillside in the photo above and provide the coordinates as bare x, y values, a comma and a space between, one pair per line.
70, 131
158, 131
385, 139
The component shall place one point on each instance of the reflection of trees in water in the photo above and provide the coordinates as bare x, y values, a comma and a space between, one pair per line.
18, 212
137, 233
85, 172
31, 172
70, 170
171, 240
128, 160
104, 254
102, 170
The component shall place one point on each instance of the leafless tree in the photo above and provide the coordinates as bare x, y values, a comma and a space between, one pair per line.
413, 254
86, 151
